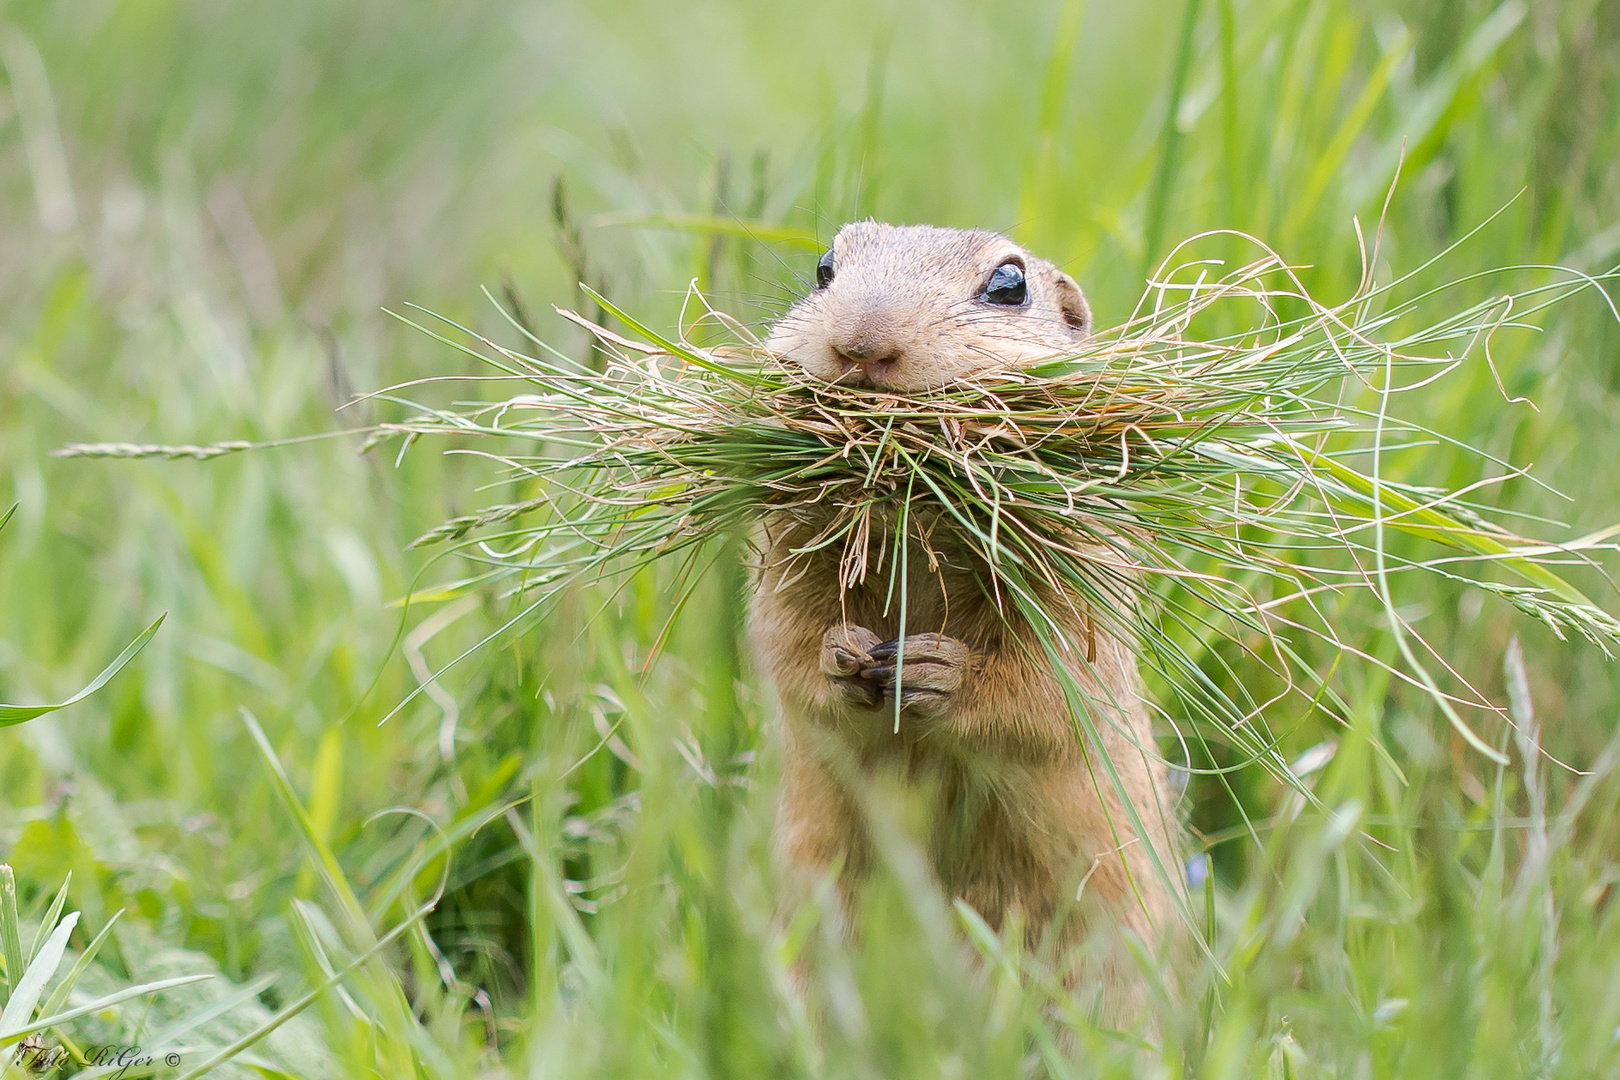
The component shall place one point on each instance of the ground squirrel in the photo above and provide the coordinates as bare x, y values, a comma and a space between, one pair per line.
1025, 819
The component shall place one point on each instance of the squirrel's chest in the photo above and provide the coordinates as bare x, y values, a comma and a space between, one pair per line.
913, 591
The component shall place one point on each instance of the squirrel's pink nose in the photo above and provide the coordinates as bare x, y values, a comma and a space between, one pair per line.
868, 358
867, 345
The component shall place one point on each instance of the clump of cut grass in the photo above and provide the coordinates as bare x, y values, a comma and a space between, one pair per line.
1213, 468
1180, 483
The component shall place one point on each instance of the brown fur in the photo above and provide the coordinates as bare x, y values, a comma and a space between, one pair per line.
1025, 816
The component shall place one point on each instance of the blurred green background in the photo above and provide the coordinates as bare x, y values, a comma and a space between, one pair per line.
208, 205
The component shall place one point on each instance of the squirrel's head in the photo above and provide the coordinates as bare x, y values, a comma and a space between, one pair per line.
914, 307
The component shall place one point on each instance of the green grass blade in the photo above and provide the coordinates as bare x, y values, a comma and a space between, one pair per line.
17, 714
80, 966
10, 931
1170, 138
26, 993
52, 914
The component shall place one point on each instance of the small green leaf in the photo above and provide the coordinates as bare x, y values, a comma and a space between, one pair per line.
17, 714
20, 1006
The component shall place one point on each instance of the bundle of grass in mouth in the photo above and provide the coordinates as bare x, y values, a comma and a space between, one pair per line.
1183, 486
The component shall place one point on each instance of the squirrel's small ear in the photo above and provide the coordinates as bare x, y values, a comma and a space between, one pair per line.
1072, 303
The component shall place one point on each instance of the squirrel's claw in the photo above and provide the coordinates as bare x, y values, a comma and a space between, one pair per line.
846, 649
867, 673
928, 671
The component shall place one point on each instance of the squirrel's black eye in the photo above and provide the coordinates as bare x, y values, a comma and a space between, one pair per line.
1006, 285
824, 271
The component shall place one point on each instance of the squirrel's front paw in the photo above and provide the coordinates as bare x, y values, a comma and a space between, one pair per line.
927, 673
846, 649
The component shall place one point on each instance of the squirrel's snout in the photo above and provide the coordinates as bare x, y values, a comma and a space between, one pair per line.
868, 346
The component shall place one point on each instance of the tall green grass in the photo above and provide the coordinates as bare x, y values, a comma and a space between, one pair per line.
207, 207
